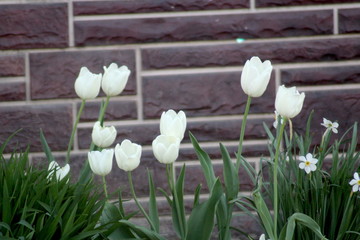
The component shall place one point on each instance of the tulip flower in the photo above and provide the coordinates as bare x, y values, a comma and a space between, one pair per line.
115, 79
255, 76
289, 101
87, 84
166, 148
60, 172
173, 124
127, 155
101, 162
103, 136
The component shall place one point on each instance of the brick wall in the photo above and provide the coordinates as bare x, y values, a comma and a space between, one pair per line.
183, 55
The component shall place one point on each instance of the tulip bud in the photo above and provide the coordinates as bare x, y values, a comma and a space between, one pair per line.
255, 76
103, 136
289, 101
101, 162
173, 124
166, 148
87, 84
60, 172
127, 155
115, 79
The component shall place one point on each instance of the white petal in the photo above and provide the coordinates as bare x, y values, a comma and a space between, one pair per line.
355, 188
354, 181
302, 165
356, 176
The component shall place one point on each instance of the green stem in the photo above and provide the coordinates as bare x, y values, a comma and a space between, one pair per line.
103, 110
104, 185
71, 141
138, 203
275, 168
242, 132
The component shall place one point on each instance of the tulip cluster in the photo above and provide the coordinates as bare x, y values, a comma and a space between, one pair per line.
172, 128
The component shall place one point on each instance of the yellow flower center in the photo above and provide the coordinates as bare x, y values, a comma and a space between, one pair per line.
358, 182
307, 163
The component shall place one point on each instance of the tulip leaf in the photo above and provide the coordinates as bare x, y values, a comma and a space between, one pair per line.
178, 209
140, 231
205, 161
202, 219
153, 210
230, 175
197, 195
264, 213
46, 147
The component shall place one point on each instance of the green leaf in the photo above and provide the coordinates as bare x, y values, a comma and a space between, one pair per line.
197, 195
153, 210
264, 213
205, 161
201, 221
142, 232
230, 175
46, 147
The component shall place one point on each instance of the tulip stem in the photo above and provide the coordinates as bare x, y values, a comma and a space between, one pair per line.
104, 185
103, 110
138, 203
71, 141
275, 168
242, 132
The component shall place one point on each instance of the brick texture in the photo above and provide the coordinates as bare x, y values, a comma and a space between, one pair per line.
349, 20
46, 83
33, 26
183, 55
12, 65
216, 27
54, 120
237, 54
147, 6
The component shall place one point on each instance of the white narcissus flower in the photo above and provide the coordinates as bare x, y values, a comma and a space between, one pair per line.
87, 84
166, 148
308, 163
289, 101
127, 155
255, 76
330, 125
355, 183
101, 162
115, 79
173, 124
60, 172
103, 136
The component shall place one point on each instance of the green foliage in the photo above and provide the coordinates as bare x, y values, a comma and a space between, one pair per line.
34, 206
321, 203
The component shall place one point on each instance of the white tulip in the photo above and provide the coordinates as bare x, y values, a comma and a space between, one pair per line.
115, 79
166, 148
289, 101
173, 124
87, 84
255, 76
60, 172
103, 136
127, 155
101, 162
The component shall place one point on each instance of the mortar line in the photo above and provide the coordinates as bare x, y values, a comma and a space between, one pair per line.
139, 90
19, 79
336, 21
27, 78
71, 24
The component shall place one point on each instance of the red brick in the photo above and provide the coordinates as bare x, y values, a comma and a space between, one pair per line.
116, 110
33, 26
237, 54
201, 95
275, 3
12, 65
146, 6
321, 76
349, 20
12, 91
54, 120
192, 28
49, 83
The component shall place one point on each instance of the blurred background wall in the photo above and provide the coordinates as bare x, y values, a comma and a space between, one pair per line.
184, 55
